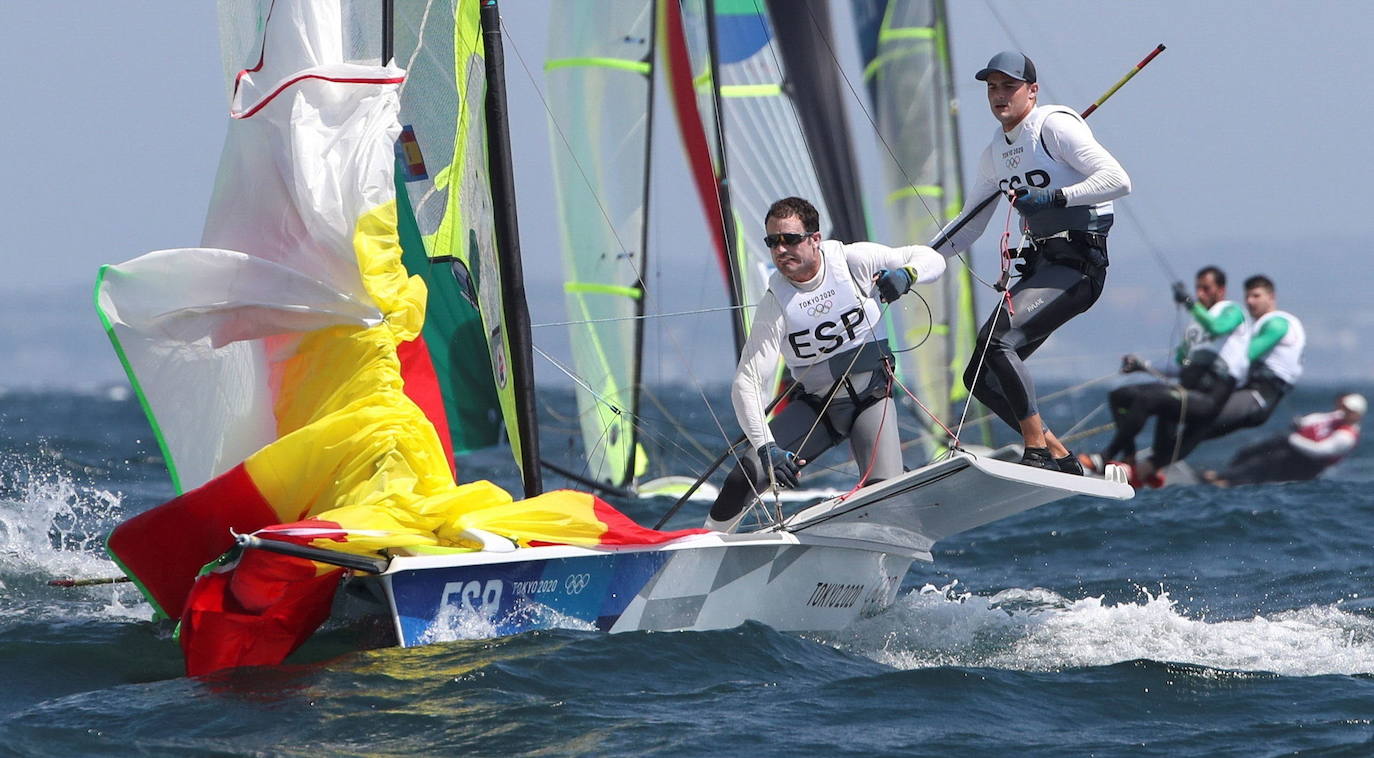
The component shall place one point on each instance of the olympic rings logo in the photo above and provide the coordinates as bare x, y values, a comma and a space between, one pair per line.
820, 309
576, 583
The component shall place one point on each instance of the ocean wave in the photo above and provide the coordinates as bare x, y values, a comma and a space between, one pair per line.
1040, 630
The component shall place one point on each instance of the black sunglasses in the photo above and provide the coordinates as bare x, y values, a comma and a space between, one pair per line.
789, 238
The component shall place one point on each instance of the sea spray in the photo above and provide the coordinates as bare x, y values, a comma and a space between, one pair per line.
52, 526
1040, 630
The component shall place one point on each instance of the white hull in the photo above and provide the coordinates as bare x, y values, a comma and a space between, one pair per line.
819, 571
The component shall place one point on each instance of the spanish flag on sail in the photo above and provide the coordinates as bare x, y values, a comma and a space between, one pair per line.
282, 363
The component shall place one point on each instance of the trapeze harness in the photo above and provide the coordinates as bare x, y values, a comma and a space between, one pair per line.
1063, 274
1215, 363
832, 334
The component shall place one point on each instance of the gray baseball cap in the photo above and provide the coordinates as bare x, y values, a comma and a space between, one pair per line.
1013, 64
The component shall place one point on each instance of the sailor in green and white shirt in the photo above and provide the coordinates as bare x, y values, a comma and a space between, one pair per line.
1210, 363
1275, 350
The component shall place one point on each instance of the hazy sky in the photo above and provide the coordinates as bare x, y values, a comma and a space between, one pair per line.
1235, 139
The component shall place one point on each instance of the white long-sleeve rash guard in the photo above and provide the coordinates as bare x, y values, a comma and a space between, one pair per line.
1071, 141
753, 385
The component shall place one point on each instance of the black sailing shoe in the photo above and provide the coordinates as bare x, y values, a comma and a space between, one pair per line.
1039, 457
1069, 464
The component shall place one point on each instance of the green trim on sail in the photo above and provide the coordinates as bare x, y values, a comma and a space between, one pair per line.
600, 122
737, 7
925, 190
891, 56
453, 334
158, 613
133, 382
464, 231
910, 32
750, 90
638, 67
593, 288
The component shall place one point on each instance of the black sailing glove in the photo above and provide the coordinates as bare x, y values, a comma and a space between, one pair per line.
1132, 363
1181, 295
782, 462
893, 283
1032, 200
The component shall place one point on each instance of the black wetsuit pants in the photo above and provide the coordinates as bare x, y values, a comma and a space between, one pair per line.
1170, 405
866, 416
1043, 301
1250, 406
1273, 460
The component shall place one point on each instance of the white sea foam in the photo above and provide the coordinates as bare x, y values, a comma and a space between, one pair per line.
46, 532
454, 622
1039, 630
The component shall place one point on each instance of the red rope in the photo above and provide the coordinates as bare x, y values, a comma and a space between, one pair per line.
873, 457
1004, 247
952, 436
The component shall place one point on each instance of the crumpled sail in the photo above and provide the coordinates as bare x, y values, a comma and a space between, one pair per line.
269, 363
905, 50
599, 84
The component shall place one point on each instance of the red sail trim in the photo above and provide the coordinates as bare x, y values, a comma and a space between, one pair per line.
693, 134
335, 79
421, 385
621, 530
164, 548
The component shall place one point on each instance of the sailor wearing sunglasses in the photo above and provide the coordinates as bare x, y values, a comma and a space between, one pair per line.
821, 315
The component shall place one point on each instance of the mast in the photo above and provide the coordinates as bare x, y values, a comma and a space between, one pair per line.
388, 31
516, 310
803, 32
723, 182
637, 370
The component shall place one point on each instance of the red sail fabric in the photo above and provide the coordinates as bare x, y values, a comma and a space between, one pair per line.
255, 613
164, 548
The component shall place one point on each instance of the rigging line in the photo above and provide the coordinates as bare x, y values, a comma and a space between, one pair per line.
834, 59
1127, 212
1085, 418
1086, 433
1039, 400
676, 425
770, 34
573, 154
645, 316
1003, 303
639, 422
639, 277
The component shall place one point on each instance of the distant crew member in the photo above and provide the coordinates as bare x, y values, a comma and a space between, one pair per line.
1209, 363
1275, 352
821, 312
1317, 442
1062, 182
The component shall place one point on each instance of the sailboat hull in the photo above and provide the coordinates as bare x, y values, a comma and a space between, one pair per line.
709, 582
828, 564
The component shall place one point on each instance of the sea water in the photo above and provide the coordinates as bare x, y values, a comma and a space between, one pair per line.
1190, 621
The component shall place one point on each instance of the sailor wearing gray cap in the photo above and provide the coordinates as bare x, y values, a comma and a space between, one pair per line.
1013, 64
1062, 182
